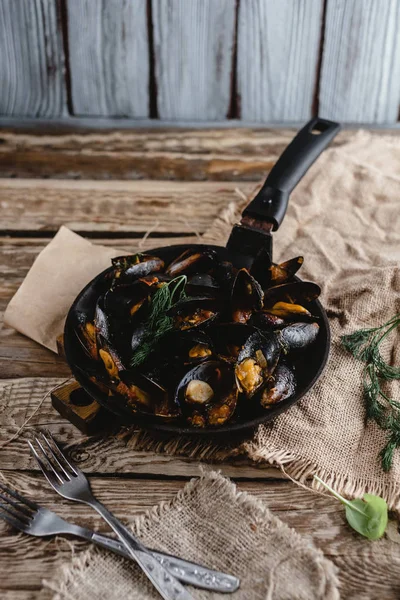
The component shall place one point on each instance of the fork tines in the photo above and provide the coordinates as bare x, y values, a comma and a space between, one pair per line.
18, 514
51, 459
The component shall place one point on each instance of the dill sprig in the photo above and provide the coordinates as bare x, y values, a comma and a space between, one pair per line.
364, 345
158, 323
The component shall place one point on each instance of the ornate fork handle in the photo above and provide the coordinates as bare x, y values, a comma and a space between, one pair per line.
185, 570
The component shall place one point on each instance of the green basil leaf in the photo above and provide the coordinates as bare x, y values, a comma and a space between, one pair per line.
368, 516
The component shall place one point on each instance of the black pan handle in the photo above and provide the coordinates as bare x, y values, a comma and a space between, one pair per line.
271, 202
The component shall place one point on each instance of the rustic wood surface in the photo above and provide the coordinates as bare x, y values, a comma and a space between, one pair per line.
278, 54
360, 75
32, 59
254, 60
109, 58
131, 481
193, 44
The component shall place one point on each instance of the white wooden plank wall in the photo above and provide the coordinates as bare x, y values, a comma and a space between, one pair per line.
360, 77
201, 60
193, 41
31, 59
278, 51
109, 57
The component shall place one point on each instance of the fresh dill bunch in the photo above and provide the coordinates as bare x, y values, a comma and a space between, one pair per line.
158, 322
364, 345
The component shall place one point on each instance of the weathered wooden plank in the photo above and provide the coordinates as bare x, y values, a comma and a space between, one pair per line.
32, 59
123, 206
360, 77
109, 57
278, 50
364, 572
193, 41
191, 155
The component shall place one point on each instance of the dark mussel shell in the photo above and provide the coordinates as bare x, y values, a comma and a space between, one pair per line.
207, 394
188, 347
265, 320
229, 338
281, 386
202, 284
191, 261
224, 273
299, 336
144, 393
295, 292
194, 312
285, 271
257, 361
128, 268
261, 267
125, 301
247, 296
87, 336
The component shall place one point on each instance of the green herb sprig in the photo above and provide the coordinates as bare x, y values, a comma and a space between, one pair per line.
368, 516
158, 323
364, 345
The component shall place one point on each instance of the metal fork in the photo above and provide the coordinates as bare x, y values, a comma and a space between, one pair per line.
69, 481
33, 519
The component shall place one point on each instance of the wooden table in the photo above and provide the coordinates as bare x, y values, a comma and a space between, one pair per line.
193, 165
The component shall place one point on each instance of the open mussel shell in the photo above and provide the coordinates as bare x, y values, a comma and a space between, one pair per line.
194, 312
229, 338
191, 261
144, 393
280, 386
224, 273
129, 268
202, 284
247, 296
188, 347
284, 272
207, 394
299, 336
295, 292
288, 311
87, 337
261, 268
257, 361
125, 301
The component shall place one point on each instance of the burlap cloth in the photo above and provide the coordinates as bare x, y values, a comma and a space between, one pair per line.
344, 218
212, 522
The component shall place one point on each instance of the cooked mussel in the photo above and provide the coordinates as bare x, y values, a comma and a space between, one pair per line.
193, 312
202, 284
229, 338
261, 267
191, 261
86, 334
257, 361
224, 273
265, 320
299, 336
187, 347
207, 394
125, 301
128, 268
288, 311
285, 271
281, 385
295, 292
247, 296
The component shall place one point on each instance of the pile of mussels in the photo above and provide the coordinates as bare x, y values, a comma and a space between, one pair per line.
230, 342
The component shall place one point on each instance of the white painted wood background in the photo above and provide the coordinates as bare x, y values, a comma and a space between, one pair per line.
201, 60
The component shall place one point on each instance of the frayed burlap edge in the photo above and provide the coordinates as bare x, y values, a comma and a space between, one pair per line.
75, 569
301, 471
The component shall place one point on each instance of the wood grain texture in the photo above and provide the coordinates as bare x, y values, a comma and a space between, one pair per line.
139, 206
360, 77
366, 571
193, 41
109, 57
190, 155
32, 59
278, 49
